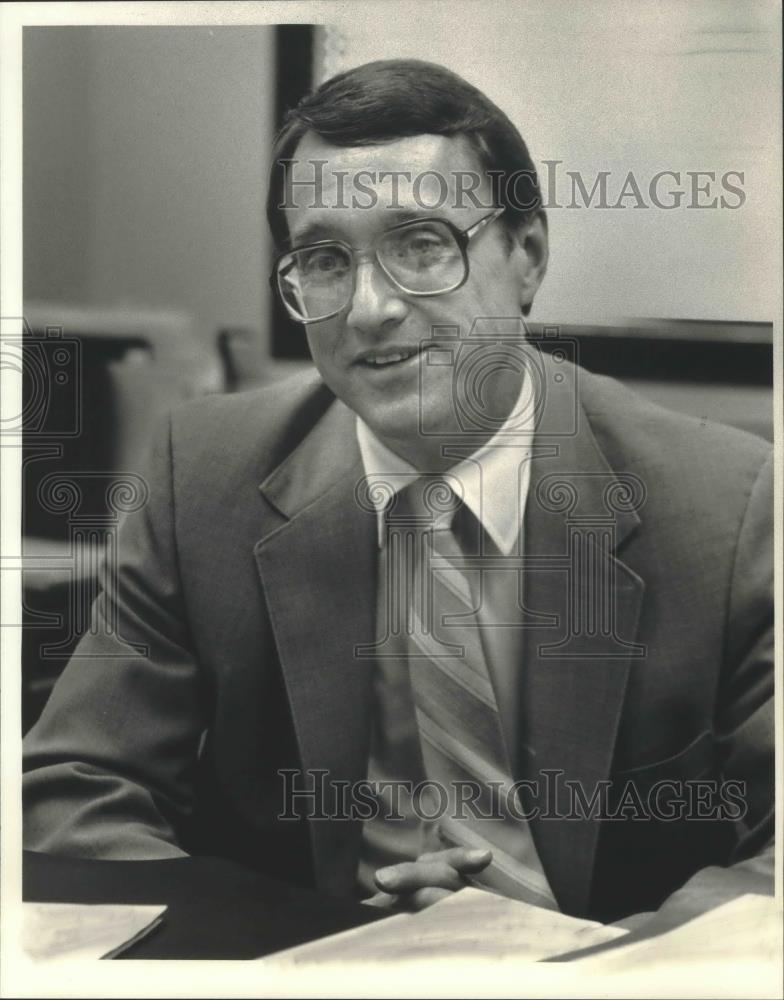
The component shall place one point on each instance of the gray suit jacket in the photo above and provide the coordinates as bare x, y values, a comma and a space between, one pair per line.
248, 579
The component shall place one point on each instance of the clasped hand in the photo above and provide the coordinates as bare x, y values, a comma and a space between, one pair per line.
414, 885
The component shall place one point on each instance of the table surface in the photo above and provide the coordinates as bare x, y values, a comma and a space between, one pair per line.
216, 908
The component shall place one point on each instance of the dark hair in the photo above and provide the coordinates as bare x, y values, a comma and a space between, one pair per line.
395, 98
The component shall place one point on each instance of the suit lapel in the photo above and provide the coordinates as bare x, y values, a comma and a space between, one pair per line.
317, 562
583, 605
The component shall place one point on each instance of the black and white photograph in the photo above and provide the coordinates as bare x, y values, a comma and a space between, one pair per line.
391, 508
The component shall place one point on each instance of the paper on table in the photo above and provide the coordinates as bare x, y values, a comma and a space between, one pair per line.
744, 931
470, 923
82, 931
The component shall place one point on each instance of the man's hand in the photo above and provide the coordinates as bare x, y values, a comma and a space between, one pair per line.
414, 885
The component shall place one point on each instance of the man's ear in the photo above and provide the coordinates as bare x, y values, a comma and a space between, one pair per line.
532, 251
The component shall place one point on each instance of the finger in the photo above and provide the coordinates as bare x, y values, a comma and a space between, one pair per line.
409, 876
463, 859
383, 900
423, 898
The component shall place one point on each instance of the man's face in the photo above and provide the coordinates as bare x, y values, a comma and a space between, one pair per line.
380, 321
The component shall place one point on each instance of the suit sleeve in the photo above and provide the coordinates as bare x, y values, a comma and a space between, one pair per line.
109, 767
744, 721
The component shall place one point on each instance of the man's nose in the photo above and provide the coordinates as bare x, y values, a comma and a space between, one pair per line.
376, 302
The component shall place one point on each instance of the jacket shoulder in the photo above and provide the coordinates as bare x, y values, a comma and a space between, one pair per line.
256, 428
678, 455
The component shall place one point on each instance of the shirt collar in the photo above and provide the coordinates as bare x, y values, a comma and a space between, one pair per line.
494, 478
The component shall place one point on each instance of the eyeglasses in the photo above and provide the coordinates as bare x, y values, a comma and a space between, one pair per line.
423, 257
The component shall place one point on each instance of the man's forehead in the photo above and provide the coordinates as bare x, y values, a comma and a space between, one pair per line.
415, 152
415, 173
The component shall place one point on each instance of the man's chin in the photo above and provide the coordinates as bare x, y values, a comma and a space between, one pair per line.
400, 433
416, 437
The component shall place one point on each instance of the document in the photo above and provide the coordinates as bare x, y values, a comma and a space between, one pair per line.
476, 943
67, 931
745, 931
471, 922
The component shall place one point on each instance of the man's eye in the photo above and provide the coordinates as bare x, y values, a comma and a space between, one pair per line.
424, 243
324, 262
422, 247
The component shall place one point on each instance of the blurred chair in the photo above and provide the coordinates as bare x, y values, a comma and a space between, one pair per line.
246, 364
243, 361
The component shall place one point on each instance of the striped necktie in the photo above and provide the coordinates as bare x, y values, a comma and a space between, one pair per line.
460, 732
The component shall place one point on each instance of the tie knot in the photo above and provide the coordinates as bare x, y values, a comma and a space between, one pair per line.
428, 503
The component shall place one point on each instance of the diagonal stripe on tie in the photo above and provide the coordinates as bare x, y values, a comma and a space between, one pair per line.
474, 765
482, 793
508, 875
445, 704
458, 670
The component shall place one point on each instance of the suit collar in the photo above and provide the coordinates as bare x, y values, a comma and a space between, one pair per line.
492, 479
324, 457
560, 428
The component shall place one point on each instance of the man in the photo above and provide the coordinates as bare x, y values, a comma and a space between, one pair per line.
595, 703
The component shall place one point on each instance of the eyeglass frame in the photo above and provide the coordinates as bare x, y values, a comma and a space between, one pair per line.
462, 238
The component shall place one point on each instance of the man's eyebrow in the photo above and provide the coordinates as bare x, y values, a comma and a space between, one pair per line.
400, 215
312, 232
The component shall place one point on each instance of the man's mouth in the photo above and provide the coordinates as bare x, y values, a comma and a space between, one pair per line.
387, 357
